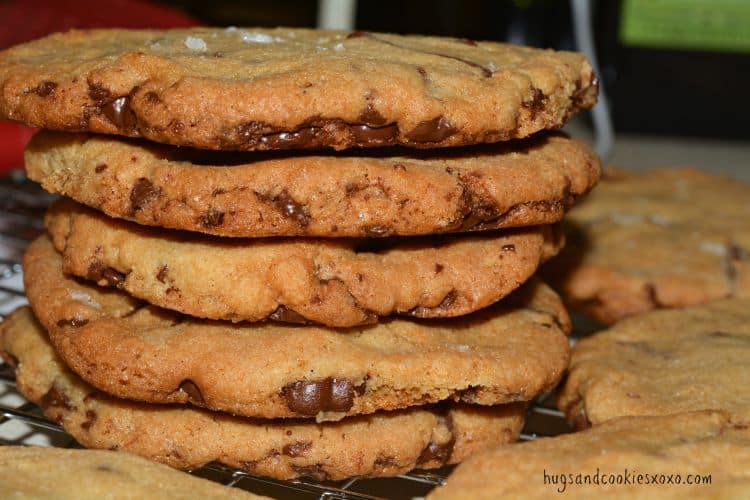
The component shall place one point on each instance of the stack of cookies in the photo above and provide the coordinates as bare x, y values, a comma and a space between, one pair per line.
246, 278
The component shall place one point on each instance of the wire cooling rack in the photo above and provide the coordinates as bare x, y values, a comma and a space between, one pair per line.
22, 206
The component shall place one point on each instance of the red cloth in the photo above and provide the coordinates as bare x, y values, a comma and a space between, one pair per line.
24, 20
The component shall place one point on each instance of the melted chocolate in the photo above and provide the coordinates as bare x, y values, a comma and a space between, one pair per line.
55, 398
310, 397
434, 130
283, 313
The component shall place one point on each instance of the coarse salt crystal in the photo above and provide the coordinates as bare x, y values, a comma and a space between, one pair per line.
491, 66
338, 47
195, 43
257, 38
714, 248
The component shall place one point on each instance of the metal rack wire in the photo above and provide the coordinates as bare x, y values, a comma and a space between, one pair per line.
22, 207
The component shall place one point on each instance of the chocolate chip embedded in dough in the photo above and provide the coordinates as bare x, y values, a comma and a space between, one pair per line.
212, 218
99, 272
315, 472
193, 392
45, 88
433, 130
55, 398
288, 206
74, 322
310, 397
143, 191
287, 315
296, 449
90, 420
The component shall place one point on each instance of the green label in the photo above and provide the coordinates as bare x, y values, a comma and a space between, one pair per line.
715, 25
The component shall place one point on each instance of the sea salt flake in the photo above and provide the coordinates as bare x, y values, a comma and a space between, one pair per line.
338, 47
195, 43
257, 38
714, 248
491, 66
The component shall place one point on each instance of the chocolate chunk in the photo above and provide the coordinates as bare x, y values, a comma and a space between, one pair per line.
152, 97
74, 322
439, 268
315, 472
45, 89
436, 452
296, 449
193, 393
367, 134
448, 300
120, 114
288, 206
98, 93
212, 218
301, 138
310, 397
100, 168
143, 191
536, 102
509, 248
356, 34
370, 116
283, 313
434, 130
161, 276
55, 398
99, 272
90, 420
468, 395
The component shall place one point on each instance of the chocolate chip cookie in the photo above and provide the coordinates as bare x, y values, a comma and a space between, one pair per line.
333, 282
382, 444
663, 362
389, 192
508, 353
608, 460
259, 89
663, 238
60, 474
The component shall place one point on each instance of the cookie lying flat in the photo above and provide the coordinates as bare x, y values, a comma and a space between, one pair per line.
332, 282
663, 238
383, 444
508, 353
663, 362
252, 89
515, 184
54, 473
656, 449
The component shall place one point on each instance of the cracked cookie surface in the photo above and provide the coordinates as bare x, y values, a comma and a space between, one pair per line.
254, 89
508, 353
327, 281
393, 192
708, 446
663, 238
663, 362
187, 438
42, 472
